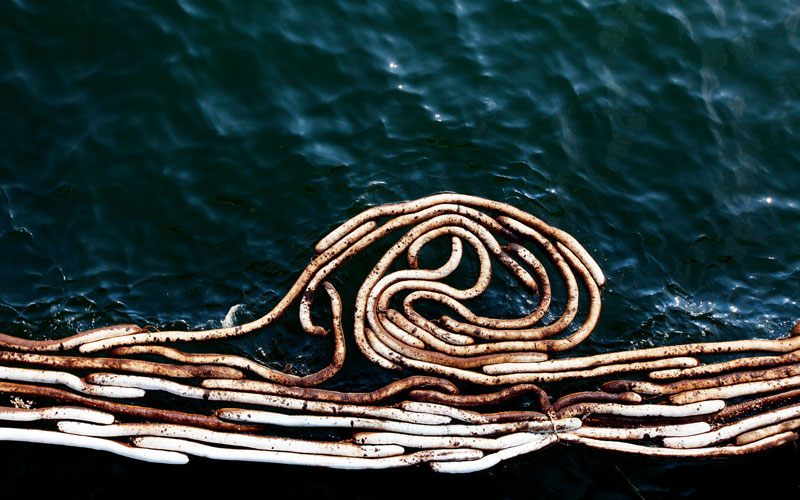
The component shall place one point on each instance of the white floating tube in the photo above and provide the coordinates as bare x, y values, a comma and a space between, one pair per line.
470, 417
664, 411
94, 443
732, 430
547, 375
543, 441
288, 403
69, 380
428, 442
280, 457
56, 413
230, 439
262, 417
771, 430
735, 391
722, 451
626, 434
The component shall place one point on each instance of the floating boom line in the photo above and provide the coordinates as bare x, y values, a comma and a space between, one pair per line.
469, 392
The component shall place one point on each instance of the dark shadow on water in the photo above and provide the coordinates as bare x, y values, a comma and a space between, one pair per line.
559, 472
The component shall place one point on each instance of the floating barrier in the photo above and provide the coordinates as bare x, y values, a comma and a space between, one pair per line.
470, 390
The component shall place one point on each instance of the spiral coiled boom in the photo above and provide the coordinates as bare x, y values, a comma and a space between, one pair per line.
78, 388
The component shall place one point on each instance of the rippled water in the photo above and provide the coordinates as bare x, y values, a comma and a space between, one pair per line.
163, 162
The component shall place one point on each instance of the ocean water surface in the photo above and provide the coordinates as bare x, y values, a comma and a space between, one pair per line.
173, 163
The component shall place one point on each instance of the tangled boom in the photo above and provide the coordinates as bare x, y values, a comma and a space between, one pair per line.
82, 397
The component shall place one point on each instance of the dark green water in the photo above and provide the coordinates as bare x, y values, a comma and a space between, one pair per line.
162, 162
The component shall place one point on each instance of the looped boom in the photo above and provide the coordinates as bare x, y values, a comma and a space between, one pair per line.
455, 349
424, 418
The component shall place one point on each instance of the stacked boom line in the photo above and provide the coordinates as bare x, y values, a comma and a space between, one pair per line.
468, 388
